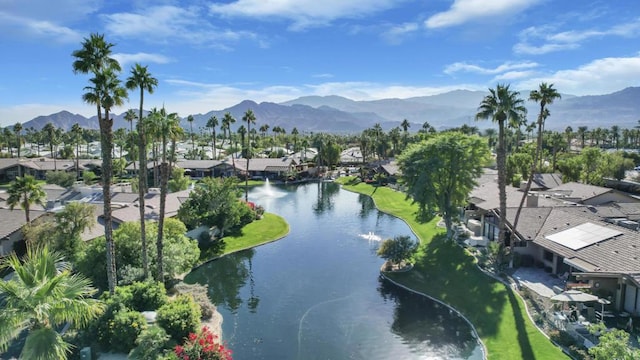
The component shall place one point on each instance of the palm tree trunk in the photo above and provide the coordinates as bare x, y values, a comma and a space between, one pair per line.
163, 198
502, 184
536, 156
142, 190
77, 160
106, 141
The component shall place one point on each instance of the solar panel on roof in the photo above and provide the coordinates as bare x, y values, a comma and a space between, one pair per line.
583, 235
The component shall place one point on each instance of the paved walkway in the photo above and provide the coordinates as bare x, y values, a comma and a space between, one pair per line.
538, 280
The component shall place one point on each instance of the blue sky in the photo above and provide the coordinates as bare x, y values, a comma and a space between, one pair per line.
209, 55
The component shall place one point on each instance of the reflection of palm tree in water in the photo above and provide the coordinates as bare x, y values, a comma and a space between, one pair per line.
326, 192
253, 301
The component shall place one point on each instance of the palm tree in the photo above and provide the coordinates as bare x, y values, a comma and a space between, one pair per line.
249, 118
42, 296
294, 133
227, 120
105, 92
568, 132
503, 106
212, 123
582, 133
140, 78
545, 95
25, 191
50, 130
165, 127
615, 136
76, 133
190, 121
17, 129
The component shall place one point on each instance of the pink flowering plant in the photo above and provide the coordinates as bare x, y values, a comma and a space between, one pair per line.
202, 346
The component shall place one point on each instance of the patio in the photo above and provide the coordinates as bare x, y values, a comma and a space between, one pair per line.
539, 281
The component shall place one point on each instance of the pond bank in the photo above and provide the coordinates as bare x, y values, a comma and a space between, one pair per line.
445, 272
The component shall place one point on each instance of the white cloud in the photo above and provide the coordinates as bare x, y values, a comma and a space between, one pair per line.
508, 66
396, 33
303, 13
140, 57
600, 76
463, 11
167, 23
38, 28
513, 75
549, 41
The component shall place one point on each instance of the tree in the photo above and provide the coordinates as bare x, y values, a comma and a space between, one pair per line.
17, 129
505, 107
212, 123
42, 296
582, 133
613, 344
140, 78
440, 172
76, 134
178, 181
105, 92
545, 95
166, 127
50, 130
190, 121
227, 120
398, 249
249, 118
215, 203
25, 191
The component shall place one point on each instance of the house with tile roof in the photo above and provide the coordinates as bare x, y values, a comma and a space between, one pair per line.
587, 232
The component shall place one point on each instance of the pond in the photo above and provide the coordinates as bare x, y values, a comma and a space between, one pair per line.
317, 293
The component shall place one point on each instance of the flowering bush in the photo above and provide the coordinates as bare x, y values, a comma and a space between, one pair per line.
202, 346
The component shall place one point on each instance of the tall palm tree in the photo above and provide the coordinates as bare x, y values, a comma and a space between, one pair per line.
76, 134
105, 92
249, 118
42, 296
165, 127
505, 107
190, 121
17, 129
582, 133
615, 136
568, 133
545, 95
140, 78
294, 133
25, 191
227, 120
50, 130
213, 123
129, 116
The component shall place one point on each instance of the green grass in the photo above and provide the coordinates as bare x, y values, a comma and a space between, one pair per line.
270, 228
447, 272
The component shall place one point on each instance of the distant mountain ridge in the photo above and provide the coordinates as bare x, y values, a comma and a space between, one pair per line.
338, 114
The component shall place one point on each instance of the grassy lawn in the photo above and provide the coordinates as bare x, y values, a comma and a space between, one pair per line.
447, 272
270, 228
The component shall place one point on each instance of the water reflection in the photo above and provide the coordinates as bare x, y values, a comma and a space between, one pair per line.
316, 294
225, 277
419, 320
324, 199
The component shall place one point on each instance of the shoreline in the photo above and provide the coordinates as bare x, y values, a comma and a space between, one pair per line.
497, 336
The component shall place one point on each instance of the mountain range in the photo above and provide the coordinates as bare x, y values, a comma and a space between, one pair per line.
336, 114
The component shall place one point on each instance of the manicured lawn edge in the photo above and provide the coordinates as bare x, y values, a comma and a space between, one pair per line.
270, 228
445, 271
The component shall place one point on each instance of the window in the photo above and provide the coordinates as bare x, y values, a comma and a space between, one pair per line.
548, 255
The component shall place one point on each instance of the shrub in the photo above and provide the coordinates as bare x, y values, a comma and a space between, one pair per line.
61, 178
121, 330
150, 344
88, 177
199, 293
148, 296
203, 346
179, 317
398, 249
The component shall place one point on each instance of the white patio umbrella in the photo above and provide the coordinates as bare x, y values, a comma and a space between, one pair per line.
574, 296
